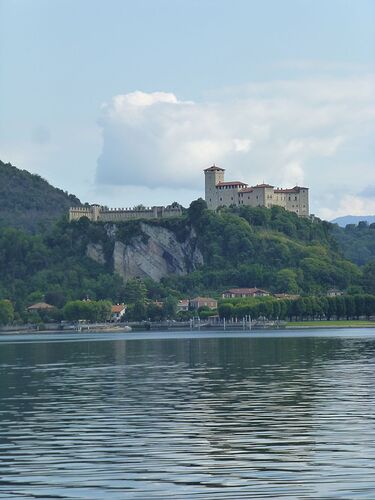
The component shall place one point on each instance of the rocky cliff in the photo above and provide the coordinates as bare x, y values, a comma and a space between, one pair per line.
154, 253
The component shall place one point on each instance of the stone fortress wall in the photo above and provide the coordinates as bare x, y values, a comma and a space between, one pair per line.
220, 193
97, 213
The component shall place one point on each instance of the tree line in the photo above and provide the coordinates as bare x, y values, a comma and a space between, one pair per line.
303, 308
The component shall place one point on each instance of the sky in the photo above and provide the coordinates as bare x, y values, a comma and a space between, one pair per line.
125, 102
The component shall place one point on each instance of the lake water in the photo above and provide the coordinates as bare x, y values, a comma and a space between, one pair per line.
188, 415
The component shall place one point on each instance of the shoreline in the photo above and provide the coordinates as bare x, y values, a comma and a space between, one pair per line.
127, 329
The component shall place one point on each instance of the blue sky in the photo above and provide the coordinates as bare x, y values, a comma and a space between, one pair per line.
281, 91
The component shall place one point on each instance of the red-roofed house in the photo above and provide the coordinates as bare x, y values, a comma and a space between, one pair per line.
118, 312
183, 305
203, 302
244, 292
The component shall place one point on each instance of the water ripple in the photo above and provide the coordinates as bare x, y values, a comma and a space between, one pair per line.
229, 418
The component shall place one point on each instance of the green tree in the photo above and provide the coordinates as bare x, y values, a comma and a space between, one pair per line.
331, 307
340, 307
170, 307
6, 312
225, 310
139, 311
349, 306
359, 302
103, 310
196, 210
134, 291
154, 312
368, 280
369, 305
56, 298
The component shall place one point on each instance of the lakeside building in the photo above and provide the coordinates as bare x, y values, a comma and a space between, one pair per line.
117, 312
183, 305
219, 192
334, 292
289, 296
41, 306
233, 293
98, 213
203, 302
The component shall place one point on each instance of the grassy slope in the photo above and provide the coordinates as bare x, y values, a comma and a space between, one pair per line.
333, 324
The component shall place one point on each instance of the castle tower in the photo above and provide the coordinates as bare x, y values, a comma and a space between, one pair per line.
212, 176
95, 211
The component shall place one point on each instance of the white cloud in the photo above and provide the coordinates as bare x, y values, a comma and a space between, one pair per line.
349, 205
313, 132
311, 146
293, 174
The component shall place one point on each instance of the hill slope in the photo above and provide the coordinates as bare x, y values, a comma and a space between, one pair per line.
200, 253
26, 200
357, 242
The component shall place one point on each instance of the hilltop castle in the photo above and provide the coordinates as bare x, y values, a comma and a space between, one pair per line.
217, 193
220, 193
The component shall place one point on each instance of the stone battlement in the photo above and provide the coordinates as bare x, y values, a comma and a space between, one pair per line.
97, 213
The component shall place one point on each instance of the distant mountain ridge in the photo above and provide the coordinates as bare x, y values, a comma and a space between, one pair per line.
27, 200
353, 219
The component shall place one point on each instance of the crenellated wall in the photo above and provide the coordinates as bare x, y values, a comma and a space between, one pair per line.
105, 214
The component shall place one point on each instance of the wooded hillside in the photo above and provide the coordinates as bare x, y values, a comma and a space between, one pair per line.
27, 200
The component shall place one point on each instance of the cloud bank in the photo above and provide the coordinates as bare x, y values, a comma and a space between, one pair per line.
313, 132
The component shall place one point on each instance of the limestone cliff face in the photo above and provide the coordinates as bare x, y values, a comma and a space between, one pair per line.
154, 254
95, 252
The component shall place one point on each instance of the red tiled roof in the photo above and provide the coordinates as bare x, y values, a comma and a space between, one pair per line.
118, 308
231, 183
246, 190
214, 168
263, 186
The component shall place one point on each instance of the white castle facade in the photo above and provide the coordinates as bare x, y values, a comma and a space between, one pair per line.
220, 193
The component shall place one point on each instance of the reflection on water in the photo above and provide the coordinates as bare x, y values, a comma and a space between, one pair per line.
268, 416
